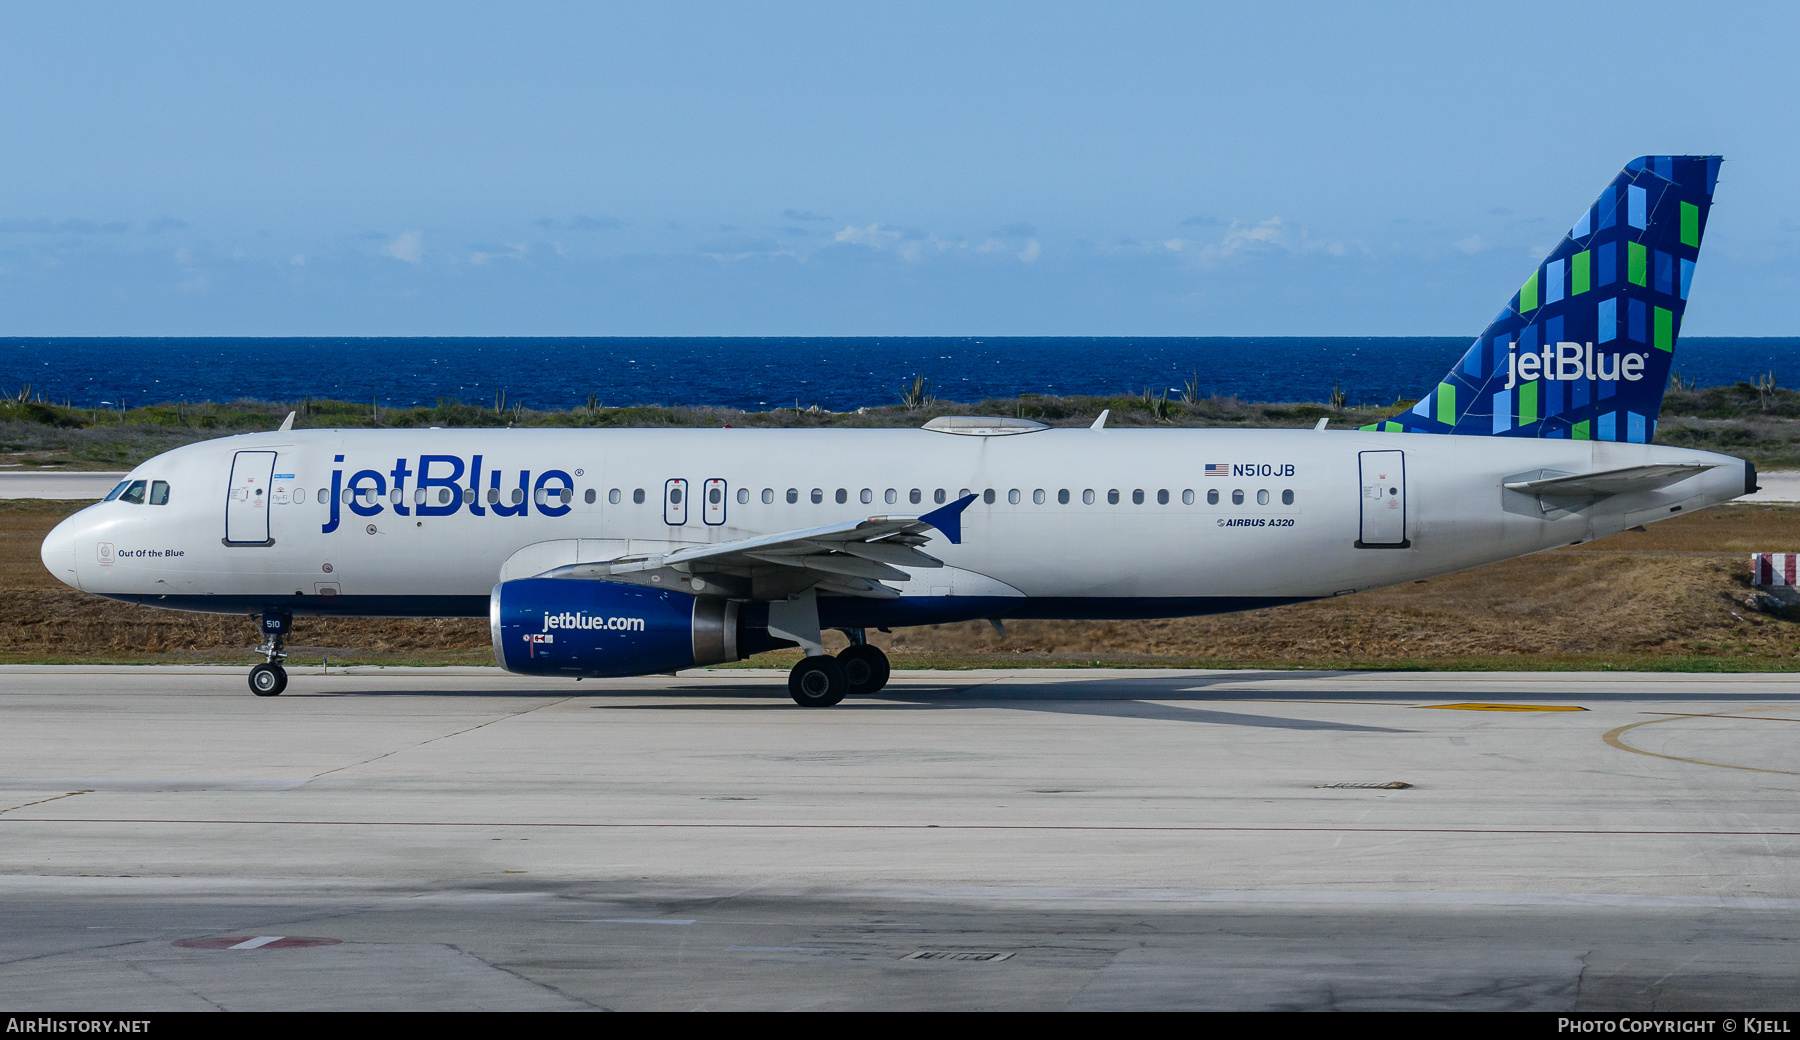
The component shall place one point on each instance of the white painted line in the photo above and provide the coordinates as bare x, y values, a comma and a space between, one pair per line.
641, 920
257, 943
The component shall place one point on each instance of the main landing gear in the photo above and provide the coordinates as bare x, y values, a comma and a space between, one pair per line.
821, 681
269, 678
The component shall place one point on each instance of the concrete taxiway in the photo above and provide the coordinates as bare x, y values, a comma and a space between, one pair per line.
460, 838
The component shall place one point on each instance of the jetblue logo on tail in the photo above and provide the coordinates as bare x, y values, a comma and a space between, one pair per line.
1567, 362
1583, 349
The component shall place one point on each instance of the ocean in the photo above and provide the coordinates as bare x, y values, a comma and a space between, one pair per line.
839, 374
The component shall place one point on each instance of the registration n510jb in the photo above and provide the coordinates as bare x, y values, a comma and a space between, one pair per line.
627, 552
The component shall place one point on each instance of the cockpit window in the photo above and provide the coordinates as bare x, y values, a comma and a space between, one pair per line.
114, 493
159, 492
134, 494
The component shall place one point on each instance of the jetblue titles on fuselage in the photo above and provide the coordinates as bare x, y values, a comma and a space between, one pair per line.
438, 489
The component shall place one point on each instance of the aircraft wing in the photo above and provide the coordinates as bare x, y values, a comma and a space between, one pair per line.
852, 557
1607, 483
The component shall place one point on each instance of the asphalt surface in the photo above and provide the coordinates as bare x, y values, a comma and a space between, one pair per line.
460, 838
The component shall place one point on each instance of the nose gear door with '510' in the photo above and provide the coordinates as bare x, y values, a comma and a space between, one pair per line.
247, 503
1383, 500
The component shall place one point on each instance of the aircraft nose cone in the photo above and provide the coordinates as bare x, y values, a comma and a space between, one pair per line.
58, 553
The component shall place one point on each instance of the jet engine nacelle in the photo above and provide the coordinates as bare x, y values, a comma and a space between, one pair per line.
572, 626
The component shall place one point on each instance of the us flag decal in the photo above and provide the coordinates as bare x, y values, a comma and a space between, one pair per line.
1218, 469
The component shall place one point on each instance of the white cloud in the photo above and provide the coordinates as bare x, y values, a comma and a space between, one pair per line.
298, 260
911, 246
409, 247
1267, 237
874, 235
1471, 245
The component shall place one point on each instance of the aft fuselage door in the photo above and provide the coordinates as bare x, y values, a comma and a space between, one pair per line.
1383, 500
247, 503
675, 502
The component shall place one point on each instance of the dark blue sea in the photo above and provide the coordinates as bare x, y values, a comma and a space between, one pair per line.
758, 373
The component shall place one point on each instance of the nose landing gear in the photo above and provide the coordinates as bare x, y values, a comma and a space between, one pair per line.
269, 678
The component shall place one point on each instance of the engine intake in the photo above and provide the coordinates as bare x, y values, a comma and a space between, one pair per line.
569, 626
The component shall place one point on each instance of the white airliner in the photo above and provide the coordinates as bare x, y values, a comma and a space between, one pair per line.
628, 552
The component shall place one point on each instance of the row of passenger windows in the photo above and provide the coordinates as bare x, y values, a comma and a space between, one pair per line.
842, 496
157, 493
134, 491
916, 496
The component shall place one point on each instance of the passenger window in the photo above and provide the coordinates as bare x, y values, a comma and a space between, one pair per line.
1087, 497
988, 496
299, 496
1137, 497
818, 495
1212, 497
675, 496
914, 496
637, 496
715, 496
938, 496
588, 496
793, 495
134, 494
1162, 497
892, 496
1287, 498
613, 496
964, 493
1187, 497
1237, 498
1112, 497
159, 492
324, 496
1062, 497
1262, 497
1012, 497
518, 495
1037, 497
867, 496
743, 496
469, 496
115, 492
768, 496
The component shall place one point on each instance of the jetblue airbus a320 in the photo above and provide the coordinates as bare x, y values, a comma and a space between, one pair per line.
615, 553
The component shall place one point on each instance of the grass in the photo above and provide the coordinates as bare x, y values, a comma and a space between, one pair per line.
1760, 423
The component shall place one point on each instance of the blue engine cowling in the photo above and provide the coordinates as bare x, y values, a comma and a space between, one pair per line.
571, 626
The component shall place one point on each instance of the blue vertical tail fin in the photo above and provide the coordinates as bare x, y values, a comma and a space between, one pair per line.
1583, 349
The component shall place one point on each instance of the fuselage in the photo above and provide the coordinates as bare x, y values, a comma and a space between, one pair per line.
1068, 523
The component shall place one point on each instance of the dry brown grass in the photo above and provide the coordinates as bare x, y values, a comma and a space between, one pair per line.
1673, 592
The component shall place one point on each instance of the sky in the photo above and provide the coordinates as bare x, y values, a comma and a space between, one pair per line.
865, 169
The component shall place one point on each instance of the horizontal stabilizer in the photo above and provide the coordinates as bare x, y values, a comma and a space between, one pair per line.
1607, 483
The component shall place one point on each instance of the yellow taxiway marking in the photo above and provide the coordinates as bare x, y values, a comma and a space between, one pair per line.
1616, 738
1504, 707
